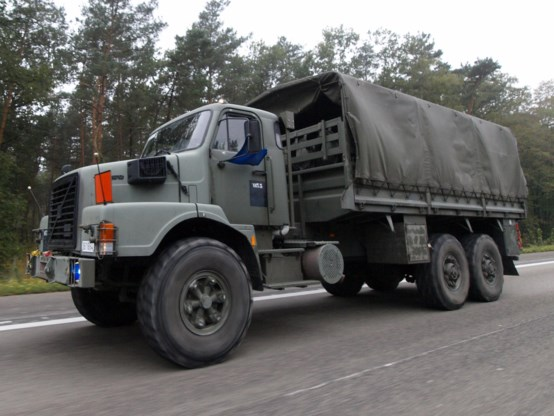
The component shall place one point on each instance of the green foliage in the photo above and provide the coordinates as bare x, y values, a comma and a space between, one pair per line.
204, 63
270, 65
409, 64
543, 104
12, 207
477, 85
115, 48
536, 148
488, 93
336, 51
32, 49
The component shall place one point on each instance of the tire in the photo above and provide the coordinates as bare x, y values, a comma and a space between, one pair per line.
486, 271
103, 309
444, 282
384, 277
195, 303
350, 285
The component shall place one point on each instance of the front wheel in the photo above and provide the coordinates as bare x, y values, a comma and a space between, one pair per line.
195, 303
444, 282
103, 309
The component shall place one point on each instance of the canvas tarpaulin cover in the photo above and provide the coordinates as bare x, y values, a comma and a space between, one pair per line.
405, 141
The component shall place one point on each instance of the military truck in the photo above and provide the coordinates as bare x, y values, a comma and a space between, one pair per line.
325, 180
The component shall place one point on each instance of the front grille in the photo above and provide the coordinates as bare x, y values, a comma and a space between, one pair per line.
62, 214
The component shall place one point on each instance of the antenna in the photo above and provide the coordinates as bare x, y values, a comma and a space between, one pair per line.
36, 201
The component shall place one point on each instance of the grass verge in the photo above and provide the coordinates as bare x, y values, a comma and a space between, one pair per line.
538, 249
27, 285
16, 282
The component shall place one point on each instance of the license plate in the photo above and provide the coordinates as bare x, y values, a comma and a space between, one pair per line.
87, 247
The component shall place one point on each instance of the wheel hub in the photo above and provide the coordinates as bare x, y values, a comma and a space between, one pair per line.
488, 266
204, 303
452, 272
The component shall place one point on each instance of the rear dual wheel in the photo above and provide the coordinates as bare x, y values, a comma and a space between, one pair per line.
485, 266
444, 282
384, 277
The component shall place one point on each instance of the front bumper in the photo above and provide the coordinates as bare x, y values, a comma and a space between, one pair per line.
68, 271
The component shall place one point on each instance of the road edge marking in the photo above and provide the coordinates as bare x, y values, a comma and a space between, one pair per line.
27, 325
37, 324
542, 263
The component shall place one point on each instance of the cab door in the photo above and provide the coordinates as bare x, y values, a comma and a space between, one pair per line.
240, 189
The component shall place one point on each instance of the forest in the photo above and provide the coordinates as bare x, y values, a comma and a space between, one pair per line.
102, 85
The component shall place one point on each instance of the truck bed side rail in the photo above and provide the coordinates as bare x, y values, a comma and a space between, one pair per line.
317, 169
316, 146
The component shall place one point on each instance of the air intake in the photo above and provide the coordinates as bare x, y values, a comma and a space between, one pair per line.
151, 170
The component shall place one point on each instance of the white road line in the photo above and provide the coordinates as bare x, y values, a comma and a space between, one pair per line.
28, 325
542, 263
38, 324
289, 295
42, 323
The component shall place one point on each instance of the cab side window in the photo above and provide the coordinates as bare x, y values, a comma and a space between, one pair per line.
231, 134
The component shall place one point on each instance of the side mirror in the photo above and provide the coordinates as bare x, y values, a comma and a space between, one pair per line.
65, 169
252, 152
253, 136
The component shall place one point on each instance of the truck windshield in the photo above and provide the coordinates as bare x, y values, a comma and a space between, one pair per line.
184, 134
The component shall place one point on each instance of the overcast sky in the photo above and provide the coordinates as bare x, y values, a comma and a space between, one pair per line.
517, 34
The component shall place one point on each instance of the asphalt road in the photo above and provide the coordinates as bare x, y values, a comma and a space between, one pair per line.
376, 354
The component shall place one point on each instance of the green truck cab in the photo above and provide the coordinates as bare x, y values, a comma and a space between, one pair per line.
325, 180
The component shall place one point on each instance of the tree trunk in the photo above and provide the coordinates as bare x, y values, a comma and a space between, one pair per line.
171, 97
82, 137
99, 102
131, 143
9, 95
5, 111
471, 105
120, 150
98, 105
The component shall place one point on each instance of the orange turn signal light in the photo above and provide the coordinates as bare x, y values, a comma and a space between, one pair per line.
106, 238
